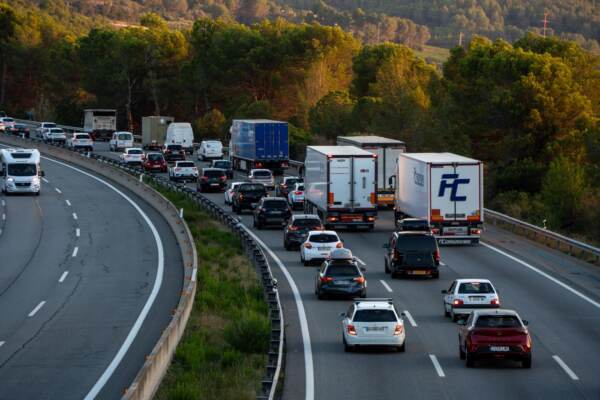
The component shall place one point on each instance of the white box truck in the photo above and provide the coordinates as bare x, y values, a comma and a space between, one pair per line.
154, 130
388, 151
100, 123
444, 188
340, 186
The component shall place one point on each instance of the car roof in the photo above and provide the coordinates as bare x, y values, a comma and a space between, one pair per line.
374, 304
413, 220
414, 233
305, 216
215, 169
133, 148
322, 233
260, 169
467, 280
498, 311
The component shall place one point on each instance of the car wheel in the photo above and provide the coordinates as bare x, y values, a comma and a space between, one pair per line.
470, 359
387, 268
287, 246
401, 349
446, 312
435, 275
320, 295
527, 362
347, 349
461, 353
453, 316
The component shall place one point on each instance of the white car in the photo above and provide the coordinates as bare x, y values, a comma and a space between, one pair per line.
466, 295
296, 196
183, 170
229, 192
6, 123
80, 141
210, 149
54, 135
133, 155
263, 176
318, 245
373, 322
121, 140
43, 126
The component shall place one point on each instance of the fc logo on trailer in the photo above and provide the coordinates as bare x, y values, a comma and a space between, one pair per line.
451, 181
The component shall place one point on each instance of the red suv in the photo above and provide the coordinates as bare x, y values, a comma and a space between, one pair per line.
155, 162
494, 334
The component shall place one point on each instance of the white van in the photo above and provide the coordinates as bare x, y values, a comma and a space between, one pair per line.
121, 140
20, 171
210, 149
181, 133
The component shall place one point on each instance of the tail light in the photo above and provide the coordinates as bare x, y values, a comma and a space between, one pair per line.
370, 219
332, 219
360, 279
351, 330
223, 177
475, 231
436, 256
297, 193
495, 302
339, 245
396, 256
436, 215
373, 198
293, 228
458, 302
205, 178
258, 165
307, 245
399, 329
528, 342
435, 231
326, 279
330, 198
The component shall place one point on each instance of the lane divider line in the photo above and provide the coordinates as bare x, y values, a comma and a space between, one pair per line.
68, 203
2, 343
437, 366
442, 263
74, 216
565, 368
63, 277
75, 251
45, 180
386, 286
58, 190
37, 308
545, 275
77, 232
3, 216
3, 203
410, 319
308, 358
361, 262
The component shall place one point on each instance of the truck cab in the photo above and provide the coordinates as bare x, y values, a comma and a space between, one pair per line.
20, 171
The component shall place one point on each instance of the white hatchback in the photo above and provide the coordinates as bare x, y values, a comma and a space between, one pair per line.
80, 140
229, 192
373, 322
466, 295
296, 195
318, 245
263, 176
183, 170
133, 155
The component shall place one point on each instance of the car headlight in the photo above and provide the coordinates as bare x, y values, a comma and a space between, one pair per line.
10, 181
35, 181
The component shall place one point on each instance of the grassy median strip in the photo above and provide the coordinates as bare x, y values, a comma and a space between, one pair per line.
222, 354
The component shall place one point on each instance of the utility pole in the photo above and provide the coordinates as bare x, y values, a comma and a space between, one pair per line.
545, 20
460, 38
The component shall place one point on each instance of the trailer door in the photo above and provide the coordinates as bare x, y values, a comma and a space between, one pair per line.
364, 184
470, 207
452, 192
340, 178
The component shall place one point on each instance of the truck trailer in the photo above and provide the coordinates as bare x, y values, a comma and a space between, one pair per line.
388, 151
154, 130
100, 123
445, 189
259, 143
340, 186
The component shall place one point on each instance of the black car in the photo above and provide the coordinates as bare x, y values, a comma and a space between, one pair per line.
225, 165
413, 224
341, 276
173, 152
296, 231
412, 254
246, 196
286, 184
271, 211
211, 179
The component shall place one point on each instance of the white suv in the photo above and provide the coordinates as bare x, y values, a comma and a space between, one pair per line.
80, 140
466, 295
318, 246
133, 155
263, 176
183, 170
54, 135
373, 322
44, 126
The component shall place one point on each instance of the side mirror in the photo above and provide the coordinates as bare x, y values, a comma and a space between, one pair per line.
525, 322
274, 281
343, 315
363, 269
444, 291
403, 314
386, 246
462, 322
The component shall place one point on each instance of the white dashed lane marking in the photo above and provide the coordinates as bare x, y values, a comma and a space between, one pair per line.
63, 276
57, 190
386, 286
68, 203
37, 308
74, 216
437, 366
410, 319
75, 251
565, 368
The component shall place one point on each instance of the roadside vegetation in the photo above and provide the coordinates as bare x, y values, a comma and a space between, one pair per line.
223, 352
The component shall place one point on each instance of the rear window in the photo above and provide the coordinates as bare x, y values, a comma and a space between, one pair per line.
155, 157
222, 164
276, 204
416, 243
262, 174
307, 222
251, 188
49, 125
81, 136
292, 181
375, 316
497, 321
323, 238
174, 147
187, 164
56, 130
300, 187
135, 151
213, 173
124, 136
475, 288
9, 120
345, 269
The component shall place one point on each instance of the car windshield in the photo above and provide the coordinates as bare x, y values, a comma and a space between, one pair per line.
262, 174
213, 174
124, 136
49, 125
9, 120
342, 268
56, 130
307, 222
135, 151
276, 204
374, 316
82, 137
21, 170
155, 157
475, 288
416, 243
222, 164
187, 164
497, 321
251, 188
323, 238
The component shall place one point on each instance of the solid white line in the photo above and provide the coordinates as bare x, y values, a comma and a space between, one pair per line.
3, 204
75, 250
410, 318
3, 216
63, 276
57, 190
442, 263
74, 216
2, 343
68, 203
361, 262
437, 366
45, 180
545, 275
386, 286
36, 309
77, 232
566, 368
308, 358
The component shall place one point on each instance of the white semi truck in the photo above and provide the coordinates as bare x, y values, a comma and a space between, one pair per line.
445, 189
387, 151
340, 186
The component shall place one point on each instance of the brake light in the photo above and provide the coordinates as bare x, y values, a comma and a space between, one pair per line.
241, 196
370, 219
399, 329
330, 198
435, 231
528, 342
339, 245
495, 302
475, 231
351, 330
297, 193
205, 178
436, 256
360, 279
223, 177
293, 228
373, 198
458, 302
307, 245
396, 256
258, 165
325, 279
332, 219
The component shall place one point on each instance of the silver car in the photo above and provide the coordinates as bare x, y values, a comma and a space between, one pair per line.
263, 176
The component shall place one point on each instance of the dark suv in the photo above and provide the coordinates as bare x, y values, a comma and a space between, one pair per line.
247, 196
173, 152
413, 224
412, 254
271, 211
211, 179
297, 229
225, 165
340, 276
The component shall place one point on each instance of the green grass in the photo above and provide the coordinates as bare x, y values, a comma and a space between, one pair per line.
434, 55
222, 354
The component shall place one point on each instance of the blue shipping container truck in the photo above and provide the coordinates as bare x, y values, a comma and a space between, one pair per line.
259, 143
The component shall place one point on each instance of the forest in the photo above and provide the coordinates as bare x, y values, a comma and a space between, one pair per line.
530, 109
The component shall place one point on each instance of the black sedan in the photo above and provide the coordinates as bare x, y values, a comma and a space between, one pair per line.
297, 229
340, 276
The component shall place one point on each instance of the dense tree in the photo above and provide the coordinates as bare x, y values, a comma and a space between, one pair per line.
331, 116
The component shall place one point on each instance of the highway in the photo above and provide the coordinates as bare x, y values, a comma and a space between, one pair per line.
77, 266
559, 295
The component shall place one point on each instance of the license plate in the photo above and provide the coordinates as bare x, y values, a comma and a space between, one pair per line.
275, 212
323, 248
375, 328
455, 230
341, 283
499, 348
253, 204
214, 184
419, 272
476, 298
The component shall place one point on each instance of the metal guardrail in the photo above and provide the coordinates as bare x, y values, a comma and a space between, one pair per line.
253, 250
